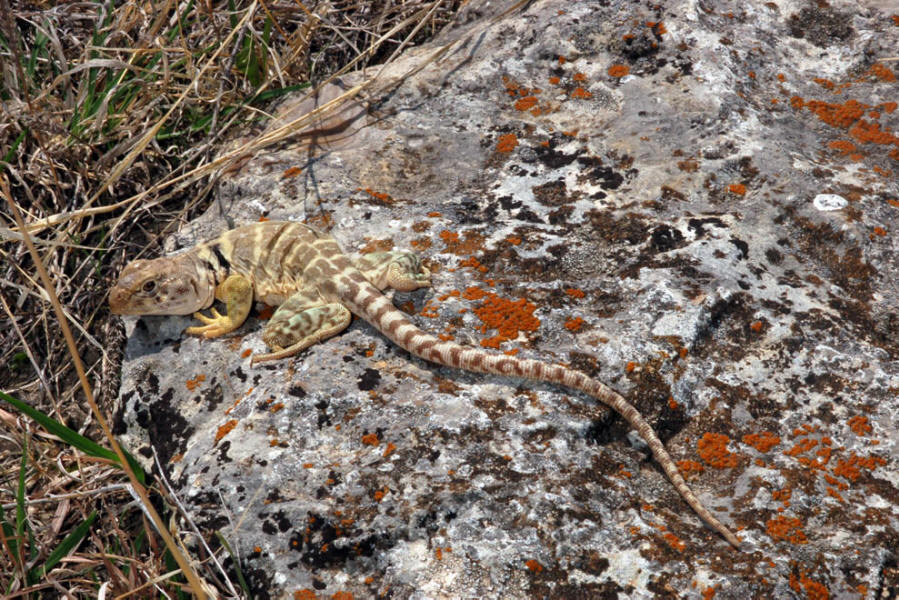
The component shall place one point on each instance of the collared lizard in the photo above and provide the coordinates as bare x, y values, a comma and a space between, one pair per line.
316, 288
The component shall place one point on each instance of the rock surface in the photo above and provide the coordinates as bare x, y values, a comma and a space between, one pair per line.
698, 204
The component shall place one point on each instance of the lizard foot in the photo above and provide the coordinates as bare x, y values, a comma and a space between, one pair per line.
215, 326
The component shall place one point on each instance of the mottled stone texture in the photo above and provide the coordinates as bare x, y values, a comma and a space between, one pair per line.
643, 182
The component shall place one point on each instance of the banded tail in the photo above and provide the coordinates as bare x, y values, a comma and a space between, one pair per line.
366, 301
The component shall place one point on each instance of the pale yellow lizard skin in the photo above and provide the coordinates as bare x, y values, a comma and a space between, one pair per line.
317, 287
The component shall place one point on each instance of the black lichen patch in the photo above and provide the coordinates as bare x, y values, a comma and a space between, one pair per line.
631, 229
258, 580
166, 429
697, 226
369, 380
821, 25
665, 238
774, 256
598, 173
553, 193
725, 331
742, 246
651, 397
211, 397
552, 158
325, 544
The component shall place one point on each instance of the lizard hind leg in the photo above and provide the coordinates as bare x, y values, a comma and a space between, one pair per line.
300, 322
400, 271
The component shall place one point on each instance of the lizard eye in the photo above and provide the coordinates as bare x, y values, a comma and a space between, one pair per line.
149, 286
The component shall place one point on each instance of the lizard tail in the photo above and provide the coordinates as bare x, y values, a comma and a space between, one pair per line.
369, 303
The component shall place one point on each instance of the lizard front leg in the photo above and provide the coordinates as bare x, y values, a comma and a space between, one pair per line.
237, 294
304, 319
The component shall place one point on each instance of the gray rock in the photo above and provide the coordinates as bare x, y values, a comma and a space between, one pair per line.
717, 297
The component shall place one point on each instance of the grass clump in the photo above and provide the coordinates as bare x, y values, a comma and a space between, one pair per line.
112, 116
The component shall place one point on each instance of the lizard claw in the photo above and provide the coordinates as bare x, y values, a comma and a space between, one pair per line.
214, 326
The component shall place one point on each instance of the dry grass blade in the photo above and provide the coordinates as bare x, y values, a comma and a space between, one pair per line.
186, 568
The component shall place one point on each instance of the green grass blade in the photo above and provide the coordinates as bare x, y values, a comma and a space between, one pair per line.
68, 544
72, 437
240, 578
20, 501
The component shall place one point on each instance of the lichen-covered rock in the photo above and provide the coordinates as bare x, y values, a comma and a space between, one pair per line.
695, 203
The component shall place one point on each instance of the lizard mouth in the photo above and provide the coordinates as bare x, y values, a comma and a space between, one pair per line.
118, 302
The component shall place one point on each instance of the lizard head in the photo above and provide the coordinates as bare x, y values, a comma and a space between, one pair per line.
160, 286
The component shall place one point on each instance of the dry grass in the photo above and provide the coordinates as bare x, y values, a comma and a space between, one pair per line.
111, 120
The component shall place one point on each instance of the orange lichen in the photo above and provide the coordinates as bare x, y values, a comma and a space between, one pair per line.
526, 103
574, 292
844, 146
390, 449
194, 383
835, 494
379, 494
788, 529
882, 72
709, 592
305, 594
515, 241
276, 407
508, 317
804, 445
385, 198
473, 242
292, 172
246, 353
783, 496
225, 430
880, 231
737, 188
859, 425
579, 77
370, 439
713, 450
851, 468
533, 565
618, 71
835, 115
554, 80
689, 468
762, 441
674, 541
756, 326
867, 132
581, 93
813, 589
672, 403
341, 595
574, 324
507, 143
